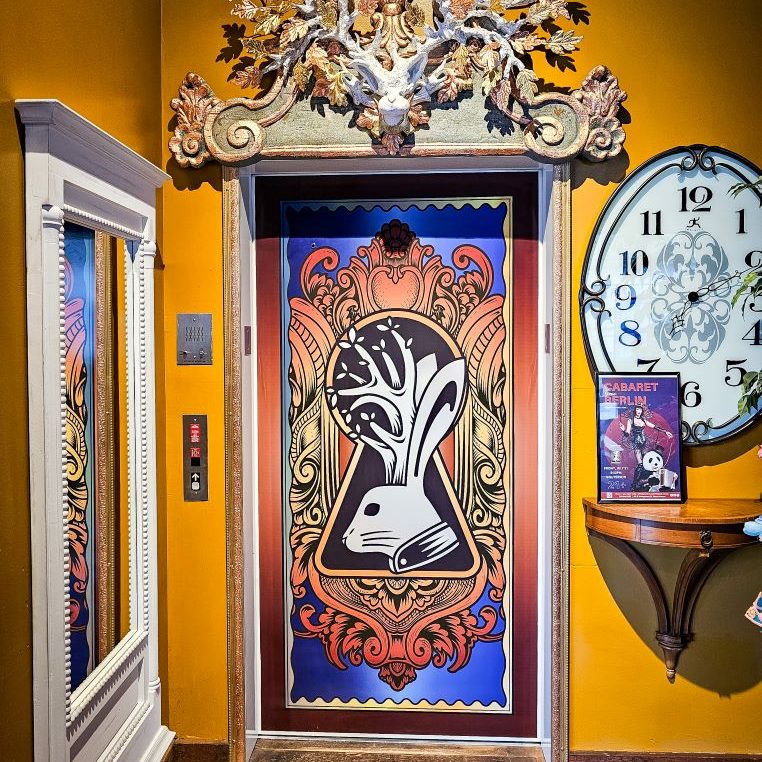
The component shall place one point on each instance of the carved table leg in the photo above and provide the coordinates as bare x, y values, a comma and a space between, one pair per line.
674, 629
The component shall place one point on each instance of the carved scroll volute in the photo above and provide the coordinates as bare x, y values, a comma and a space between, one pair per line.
192, 106
601, 96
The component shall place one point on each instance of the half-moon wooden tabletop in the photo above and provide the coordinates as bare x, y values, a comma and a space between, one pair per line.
692, 524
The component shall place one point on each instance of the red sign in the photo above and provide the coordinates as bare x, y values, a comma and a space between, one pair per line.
195, 434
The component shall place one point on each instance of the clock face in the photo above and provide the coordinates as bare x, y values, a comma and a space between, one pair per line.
669, 252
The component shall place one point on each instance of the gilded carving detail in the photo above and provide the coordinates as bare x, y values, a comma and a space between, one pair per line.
388, 66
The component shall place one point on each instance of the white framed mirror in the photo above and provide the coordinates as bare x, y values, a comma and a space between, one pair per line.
90, 240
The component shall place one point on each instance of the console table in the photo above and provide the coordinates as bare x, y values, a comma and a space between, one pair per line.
708, 529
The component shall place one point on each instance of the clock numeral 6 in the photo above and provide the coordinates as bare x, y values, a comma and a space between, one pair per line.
689, 394
625, 292
735, 365
630, 336
635, 263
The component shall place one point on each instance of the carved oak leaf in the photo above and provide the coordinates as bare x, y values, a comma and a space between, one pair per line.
501, 95
250, 76
292, 31
526, 83
418, 115
195, 101
526, 43
369, 120
392, 142
461, 8
246, 10
547, 9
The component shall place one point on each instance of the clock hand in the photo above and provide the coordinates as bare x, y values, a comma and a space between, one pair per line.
678, 321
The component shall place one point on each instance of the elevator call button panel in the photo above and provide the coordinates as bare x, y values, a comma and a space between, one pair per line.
195, 459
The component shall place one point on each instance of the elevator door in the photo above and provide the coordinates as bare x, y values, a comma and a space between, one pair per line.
396, 321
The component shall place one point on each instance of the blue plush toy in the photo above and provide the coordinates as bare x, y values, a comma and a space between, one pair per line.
754, 528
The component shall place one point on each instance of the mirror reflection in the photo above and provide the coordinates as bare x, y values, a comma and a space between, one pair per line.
95, 375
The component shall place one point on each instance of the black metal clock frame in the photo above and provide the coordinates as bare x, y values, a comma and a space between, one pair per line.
697, 155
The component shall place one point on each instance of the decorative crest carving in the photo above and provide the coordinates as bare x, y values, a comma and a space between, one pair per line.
385, 65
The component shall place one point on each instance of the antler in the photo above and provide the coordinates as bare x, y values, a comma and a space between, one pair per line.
398, 397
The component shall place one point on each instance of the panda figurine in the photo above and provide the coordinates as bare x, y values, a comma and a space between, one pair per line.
650, 474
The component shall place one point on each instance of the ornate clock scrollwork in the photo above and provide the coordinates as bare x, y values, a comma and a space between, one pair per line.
383, 68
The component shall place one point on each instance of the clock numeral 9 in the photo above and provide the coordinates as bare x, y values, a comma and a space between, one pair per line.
699, 196
630, 336
625, 292
754, 334
635, 263
736, 365
689, 394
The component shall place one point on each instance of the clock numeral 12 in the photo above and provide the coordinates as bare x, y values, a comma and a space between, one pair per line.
754, 334
689, 394
736, 365
700, 196
647, 222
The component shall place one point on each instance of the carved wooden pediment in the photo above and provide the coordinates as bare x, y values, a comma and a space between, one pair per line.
368, 77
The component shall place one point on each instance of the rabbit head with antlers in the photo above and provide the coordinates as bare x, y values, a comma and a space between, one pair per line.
393, 397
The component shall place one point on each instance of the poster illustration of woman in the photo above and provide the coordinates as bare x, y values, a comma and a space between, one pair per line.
639, 438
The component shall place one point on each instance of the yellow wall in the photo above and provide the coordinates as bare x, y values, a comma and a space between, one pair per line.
684, 86
685, 67
101, 57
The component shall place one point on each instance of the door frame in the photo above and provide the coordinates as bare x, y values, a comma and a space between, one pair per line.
240, 352
76, 172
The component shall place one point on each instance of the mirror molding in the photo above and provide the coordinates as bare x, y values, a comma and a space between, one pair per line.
75, 172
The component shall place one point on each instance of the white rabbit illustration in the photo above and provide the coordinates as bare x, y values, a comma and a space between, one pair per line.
422, 403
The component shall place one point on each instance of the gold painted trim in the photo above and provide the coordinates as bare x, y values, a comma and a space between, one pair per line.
231, 310
561, 331
105, 514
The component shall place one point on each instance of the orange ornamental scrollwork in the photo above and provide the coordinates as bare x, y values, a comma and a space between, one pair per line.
398, 72
361, 320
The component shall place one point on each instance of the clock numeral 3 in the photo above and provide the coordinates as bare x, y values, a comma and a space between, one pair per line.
735, 365
650, 363
699, 196
635, 263
689, 394
647, 223
754, 334
630, 336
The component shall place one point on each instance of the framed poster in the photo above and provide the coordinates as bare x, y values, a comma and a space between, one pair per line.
639, 457
404, 489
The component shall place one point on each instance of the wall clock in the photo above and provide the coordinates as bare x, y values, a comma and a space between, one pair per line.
667, 255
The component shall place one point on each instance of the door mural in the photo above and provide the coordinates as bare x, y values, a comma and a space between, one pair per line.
396, 397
